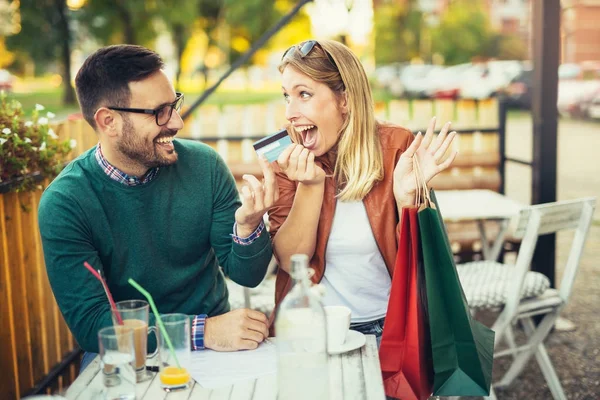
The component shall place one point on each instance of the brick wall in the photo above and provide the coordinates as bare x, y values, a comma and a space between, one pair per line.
581, 32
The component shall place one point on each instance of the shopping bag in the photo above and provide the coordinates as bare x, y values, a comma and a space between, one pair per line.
462, 348
404, 352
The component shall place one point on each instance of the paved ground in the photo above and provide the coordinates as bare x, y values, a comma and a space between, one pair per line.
575, 354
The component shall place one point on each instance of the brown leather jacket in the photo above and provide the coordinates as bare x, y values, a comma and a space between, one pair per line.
379, 203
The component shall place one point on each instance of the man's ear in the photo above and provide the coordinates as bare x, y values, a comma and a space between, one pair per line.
107, 121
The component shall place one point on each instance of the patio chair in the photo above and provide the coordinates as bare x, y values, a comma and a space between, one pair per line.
522, 294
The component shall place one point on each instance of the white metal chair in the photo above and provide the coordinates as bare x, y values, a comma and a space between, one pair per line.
521, 294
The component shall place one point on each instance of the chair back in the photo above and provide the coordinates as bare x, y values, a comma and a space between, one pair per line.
547, 218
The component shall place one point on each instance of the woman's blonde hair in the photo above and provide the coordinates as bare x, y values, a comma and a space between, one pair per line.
359, 161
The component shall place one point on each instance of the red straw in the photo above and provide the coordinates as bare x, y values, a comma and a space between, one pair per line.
110, 298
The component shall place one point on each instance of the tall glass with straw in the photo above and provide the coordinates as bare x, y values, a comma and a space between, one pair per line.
171, 377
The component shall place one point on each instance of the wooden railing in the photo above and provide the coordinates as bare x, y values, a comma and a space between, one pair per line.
34, 338
232, 130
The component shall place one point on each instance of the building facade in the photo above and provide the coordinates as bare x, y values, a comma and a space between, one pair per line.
580, 31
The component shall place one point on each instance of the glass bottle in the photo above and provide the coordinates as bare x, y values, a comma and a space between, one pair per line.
301, 339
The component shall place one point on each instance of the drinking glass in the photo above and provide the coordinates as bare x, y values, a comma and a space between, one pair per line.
117, 362
135, 315
173, 376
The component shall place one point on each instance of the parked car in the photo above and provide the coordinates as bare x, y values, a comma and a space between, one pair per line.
518, 92
388, 77
6, 80
446, 83
593, 110
489, 79
584, 104
415, 79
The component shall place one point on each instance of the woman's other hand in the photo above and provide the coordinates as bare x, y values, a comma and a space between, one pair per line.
429, 150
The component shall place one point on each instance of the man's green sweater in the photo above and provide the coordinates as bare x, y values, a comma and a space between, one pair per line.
170, 235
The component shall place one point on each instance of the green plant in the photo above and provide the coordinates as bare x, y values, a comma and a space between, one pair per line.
29, 148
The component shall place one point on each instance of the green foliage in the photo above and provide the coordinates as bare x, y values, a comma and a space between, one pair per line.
511, 47
45, 37
28, 146
250, 19
119, 21
398, 30
463, 33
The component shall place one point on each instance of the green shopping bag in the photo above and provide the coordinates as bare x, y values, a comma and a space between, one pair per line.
462, 349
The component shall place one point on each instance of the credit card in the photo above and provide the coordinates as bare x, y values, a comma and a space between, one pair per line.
272, 145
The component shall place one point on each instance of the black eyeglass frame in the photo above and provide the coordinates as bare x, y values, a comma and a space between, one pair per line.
176, 105
306, 48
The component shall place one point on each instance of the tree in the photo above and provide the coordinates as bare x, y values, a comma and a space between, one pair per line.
181, 18
246, 30
46, 36
121, 21
463, 33
398, 31
511, 47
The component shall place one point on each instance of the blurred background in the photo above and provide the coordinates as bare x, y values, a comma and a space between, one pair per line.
410, 48
462, 60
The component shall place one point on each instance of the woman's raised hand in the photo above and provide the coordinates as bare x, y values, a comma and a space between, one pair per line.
298, 163
429, 150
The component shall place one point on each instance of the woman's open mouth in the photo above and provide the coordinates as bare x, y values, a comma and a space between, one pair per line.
309, 134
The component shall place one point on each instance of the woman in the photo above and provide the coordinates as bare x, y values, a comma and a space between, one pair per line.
344, 181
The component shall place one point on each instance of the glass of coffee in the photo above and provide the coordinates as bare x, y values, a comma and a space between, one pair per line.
134, 314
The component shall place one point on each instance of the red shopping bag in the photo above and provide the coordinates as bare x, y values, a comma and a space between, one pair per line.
405, 350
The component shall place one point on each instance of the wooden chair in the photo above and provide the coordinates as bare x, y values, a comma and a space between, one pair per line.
521, 294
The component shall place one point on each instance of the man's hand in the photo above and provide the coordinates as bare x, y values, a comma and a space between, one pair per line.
257, 198
241, 329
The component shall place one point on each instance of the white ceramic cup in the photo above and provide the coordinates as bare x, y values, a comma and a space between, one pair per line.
338, 324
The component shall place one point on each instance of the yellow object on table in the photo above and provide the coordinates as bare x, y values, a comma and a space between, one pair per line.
173, 376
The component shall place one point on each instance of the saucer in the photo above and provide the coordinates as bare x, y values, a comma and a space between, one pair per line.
354, 340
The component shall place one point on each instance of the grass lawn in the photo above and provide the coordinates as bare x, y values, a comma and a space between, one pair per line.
52, 99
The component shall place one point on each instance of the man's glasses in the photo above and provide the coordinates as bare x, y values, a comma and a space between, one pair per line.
305, 48
162, 113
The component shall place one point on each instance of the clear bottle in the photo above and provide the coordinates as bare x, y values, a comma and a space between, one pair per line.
301, 339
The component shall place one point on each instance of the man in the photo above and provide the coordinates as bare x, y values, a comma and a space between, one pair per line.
143, 205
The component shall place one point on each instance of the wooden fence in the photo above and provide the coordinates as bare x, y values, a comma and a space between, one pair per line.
35, 343
34, 339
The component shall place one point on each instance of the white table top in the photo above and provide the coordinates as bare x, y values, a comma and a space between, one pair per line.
352, 375
471, 205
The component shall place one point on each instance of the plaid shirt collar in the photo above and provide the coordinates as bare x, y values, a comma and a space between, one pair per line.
120, 176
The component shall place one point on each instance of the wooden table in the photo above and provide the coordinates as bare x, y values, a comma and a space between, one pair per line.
352, 375
480, 206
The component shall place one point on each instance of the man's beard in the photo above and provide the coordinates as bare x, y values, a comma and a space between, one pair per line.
142, 150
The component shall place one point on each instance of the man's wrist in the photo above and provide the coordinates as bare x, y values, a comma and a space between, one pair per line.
245, 230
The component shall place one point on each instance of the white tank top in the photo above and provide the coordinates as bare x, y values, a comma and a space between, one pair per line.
355, 273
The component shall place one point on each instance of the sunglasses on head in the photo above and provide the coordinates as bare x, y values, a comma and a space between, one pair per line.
305, 48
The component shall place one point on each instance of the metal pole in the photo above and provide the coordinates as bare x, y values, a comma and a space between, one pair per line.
546, 51
502, 142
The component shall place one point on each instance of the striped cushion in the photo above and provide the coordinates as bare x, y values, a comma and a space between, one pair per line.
486, 283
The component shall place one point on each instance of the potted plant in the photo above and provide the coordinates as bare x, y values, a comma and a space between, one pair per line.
30, 150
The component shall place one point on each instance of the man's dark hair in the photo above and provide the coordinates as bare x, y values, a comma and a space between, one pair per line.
104, 77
